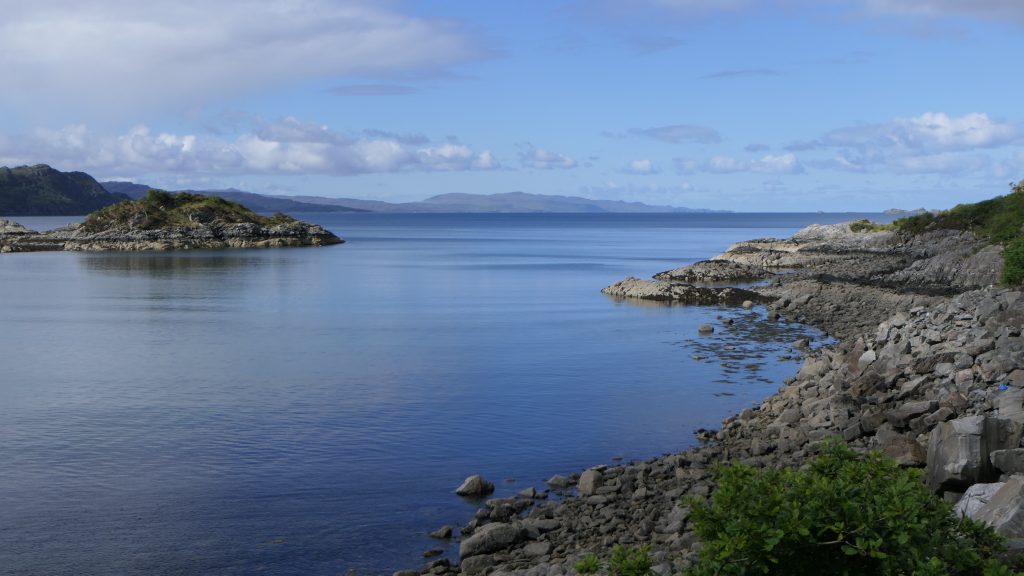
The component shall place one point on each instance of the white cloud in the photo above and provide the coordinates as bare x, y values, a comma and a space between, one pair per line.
780, 164
545, 159
931, 131
287, 146
643, 166
1001, 10
176, 52
678, 133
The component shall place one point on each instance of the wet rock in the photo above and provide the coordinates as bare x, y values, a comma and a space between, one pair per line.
474, 487
705, 328
442, 533
560, 482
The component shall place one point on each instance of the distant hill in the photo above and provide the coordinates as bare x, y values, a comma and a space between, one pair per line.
507, 202
255, 202
43, 191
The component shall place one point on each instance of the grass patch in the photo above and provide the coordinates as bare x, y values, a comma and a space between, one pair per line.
160, 209
866, 225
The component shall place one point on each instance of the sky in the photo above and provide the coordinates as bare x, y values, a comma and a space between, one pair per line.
748, 105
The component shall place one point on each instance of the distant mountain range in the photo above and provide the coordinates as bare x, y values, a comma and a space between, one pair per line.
506, 202
43, 191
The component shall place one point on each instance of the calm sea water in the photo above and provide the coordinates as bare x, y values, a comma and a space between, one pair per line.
310, 411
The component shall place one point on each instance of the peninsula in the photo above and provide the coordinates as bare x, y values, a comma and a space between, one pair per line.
165, 221
928, 370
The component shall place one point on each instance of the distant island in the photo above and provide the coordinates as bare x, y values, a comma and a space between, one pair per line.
165, 221
44, 191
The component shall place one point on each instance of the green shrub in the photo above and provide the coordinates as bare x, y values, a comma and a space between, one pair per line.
631, 561
1013, 268
866, 225
588, 565
845, 514
624, 562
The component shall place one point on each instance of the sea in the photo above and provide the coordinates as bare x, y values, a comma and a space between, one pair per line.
308, 411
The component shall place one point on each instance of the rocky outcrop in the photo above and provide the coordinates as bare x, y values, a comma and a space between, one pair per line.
714, 272
680, 293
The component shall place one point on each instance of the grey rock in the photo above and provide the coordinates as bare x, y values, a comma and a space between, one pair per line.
705, 328
975, 497
476, 565
589, 482
474, 487
958, 450
559, 482
442, 533
491, 538
1009, 461
1005, 509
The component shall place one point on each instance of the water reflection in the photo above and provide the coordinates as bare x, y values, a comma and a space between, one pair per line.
159, 264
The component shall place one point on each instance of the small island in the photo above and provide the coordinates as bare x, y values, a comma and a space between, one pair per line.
165, 221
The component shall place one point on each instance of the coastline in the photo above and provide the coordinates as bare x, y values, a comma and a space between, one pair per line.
922, 340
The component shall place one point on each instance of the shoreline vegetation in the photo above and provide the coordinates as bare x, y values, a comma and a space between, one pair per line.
926, 375
165, 221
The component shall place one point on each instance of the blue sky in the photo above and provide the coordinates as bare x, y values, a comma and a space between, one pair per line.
798, 105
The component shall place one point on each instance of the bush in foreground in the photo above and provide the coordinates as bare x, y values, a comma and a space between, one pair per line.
845, 514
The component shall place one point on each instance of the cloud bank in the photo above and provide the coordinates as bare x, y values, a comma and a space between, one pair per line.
287, 146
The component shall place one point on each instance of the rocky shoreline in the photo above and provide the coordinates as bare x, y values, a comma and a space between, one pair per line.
928, 368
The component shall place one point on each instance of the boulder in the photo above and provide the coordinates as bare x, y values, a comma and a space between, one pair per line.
1005, 509
705, 329
442, 533
905, 451
475, 487
1009, 461
958, 451
559, 482
476, 565
491, 538
589, 482
975, 497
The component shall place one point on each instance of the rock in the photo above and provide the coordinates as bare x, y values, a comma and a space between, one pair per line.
534, 549
1005, 509
560, 482
958, 451
530, 492
1010, 461
905, 451
433, 552
491, 538
442, 533
975, 497
406, 573
747, 304
475, 565
589, 482
475, 487
705, 328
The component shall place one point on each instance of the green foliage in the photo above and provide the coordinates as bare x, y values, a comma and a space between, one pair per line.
588, 565
846, 514
1013, 268
999, 219
866, 225
160, 209
624, 562
631, 561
